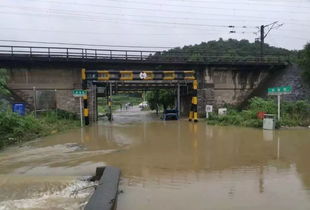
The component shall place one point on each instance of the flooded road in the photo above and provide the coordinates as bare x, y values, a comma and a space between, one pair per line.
173, 165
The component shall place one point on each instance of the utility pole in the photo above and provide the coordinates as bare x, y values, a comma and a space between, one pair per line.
262, 40
271, 26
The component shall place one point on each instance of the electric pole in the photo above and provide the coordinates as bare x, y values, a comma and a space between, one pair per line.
262, 40
271, 26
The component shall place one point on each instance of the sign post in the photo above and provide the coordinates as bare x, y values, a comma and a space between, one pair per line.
209, 108
279, 106
79, 94
278, 91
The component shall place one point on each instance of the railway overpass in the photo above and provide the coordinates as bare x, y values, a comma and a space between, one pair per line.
40, 73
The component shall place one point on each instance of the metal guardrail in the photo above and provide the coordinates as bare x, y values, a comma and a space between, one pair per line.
84, 54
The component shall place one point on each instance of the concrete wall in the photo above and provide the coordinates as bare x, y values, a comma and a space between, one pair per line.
219, 86
290, 76
53, 84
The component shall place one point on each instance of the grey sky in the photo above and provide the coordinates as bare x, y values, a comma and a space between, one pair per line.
153, 23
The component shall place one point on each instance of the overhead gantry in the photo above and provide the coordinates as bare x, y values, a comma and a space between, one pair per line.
147, 79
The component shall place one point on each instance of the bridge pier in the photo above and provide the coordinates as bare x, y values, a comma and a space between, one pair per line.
205, 91
219, 86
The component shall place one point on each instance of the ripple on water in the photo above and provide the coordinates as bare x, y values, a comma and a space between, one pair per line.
44, 193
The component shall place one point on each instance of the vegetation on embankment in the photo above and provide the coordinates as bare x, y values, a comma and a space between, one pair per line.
3, 81
16, 129
304, 61
242, 49
292, 114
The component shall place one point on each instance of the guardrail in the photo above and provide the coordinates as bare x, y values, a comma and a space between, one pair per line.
84, 54
74, 53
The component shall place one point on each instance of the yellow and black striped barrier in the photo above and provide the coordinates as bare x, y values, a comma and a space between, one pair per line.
123, 75
193, 115
85, 101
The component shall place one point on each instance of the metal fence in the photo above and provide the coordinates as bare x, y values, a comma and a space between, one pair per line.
84, 54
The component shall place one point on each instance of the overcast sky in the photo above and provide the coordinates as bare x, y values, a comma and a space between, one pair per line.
153, 23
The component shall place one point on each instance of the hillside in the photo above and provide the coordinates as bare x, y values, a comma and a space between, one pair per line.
230, 48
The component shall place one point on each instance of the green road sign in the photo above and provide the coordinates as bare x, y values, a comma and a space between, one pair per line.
279, 90
79, 93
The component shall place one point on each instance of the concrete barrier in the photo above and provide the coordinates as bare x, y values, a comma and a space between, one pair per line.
105, 195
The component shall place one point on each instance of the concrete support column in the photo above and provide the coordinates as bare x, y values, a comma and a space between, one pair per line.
92, 99
185, 105
205, 90
179, 100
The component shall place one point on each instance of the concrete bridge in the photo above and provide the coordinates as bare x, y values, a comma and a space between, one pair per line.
45, 76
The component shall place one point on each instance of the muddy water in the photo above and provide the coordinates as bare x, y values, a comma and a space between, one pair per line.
165, 165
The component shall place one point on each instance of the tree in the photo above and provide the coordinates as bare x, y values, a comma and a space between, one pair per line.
230, 47
3, 82
305, 62
152, 98
162, 97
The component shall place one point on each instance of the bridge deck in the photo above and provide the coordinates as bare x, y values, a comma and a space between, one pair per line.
60, 54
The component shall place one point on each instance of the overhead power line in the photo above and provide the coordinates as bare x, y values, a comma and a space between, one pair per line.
82, 44
261, 2
136, 22
144, 9
170, 5
81, 13
148, 21
105, 33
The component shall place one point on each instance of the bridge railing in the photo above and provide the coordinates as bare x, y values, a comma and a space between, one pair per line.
84, 54
72, 53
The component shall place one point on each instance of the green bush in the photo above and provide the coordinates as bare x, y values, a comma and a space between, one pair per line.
257, 104
293, 114
15, 128
3, 81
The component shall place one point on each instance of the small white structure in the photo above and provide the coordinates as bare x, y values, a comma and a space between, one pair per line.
269, 122
222, 111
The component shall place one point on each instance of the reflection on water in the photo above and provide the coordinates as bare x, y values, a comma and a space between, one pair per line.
165, 165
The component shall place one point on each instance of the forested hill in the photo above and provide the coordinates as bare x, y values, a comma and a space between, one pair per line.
229, 47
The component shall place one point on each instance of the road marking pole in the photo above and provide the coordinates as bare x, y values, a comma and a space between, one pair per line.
179, 101
81, 112
195, 101
35, 101
279, 106
110, 102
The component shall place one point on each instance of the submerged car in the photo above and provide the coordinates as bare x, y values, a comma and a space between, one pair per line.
170, 114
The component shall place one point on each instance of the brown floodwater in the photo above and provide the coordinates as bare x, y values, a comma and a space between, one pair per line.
168, 165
